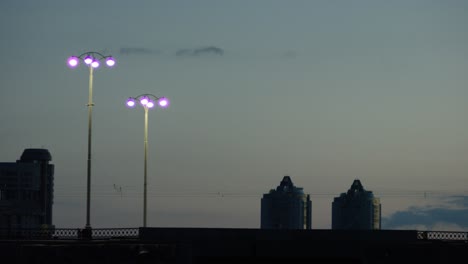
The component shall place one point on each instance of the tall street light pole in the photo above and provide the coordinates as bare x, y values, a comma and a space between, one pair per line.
91, 60
147, 102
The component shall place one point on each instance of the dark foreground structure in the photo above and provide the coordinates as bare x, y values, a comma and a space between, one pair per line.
27, 191
206, 245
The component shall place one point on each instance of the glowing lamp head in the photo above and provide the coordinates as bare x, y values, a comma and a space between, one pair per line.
130, 102
95, 64
163, 102
110, 61
144, 100
150, 104
88, 59
73, 61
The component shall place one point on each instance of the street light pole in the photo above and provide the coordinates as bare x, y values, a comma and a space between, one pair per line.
90, 126
91, 59
145, 183
147, 102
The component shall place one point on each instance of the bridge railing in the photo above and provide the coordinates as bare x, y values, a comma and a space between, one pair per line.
442, 235
133, 233
70, 233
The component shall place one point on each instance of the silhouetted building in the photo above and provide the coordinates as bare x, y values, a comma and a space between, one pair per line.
26, 190
356, 209
287, 207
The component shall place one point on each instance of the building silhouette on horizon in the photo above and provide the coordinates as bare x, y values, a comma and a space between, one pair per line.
356, 209
286, 207
26, 191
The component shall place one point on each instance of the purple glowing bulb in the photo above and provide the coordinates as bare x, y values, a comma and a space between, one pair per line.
163, 102
95, 64
88, 60
130, 102
73, 61
110, 61
144, 100
150, 104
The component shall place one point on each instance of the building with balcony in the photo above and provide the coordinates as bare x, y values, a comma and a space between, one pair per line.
286, 207
356, 209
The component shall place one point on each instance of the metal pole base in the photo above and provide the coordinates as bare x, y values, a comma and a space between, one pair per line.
86, 233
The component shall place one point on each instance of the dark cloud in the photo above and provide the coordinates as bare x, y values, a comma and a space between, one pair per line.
203, 51
135, 51
454, 215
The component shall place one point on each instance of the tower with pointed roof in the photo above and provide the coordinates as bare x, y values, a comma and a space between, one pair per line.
286, 207
356, 209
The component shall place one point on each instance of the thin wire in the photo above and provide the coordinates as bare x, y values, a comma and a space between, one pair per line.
129, 194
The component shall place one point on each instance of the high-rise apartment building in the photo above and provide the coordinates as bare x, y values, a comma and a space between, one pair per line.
287, 207
356, 209
26, 191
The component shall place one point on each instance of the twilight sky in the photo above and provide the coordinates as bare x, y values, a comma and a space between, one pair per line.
324, 91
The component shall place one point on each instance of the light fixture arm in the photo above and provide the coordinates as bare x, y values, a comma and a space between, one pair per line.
94, 54
154, 97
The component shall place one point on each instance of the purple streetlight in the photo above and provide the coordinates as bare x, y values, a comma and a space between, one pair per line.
88, 59
147, 101
95, 64
73, 61
91, 60
163, 102
110, 61
130, 103
144, 100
